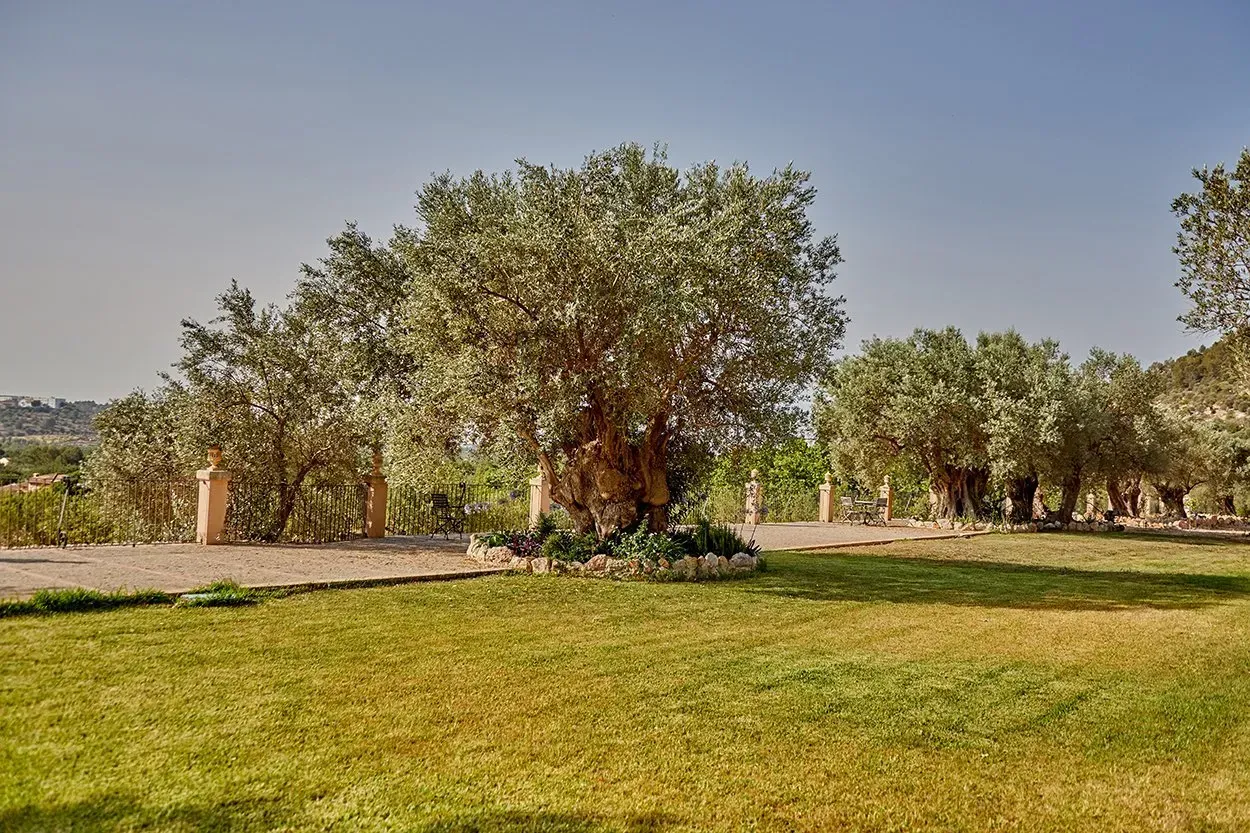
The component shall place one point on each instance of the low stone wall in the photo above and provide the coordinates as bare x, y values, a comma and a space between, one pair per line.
1032, 526
690, 568
1219, 523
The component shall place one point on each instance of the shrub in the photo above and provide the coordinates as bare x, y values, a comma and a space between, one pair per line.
524, 542
649, 545
718, 539
569, 546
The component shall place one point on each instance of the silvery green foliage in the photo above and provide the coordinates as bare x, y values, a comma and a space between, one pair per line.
617, 306
914, 403
1005, 409
274, 388
1213, 246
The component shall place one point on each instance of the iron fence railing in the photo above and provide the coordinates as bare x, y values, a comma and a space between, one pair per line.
455, 508
111, 512
258, 511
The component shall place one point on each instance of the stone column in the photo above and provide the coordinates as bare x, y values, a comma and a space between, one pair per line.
210, 517
375, 500
540, 497
755, 499
826, 499
1091, 506
887, 491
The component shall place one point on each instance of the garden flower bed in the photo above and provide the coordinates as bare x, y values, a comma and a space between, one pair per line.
703, 553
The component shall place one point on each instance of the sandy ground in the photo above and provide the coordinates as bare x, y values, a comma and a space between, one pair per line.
181, 567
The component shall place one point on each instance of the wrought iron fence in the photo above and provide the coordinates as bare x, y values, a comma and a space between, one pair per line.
454, 508
112, 512
258, 511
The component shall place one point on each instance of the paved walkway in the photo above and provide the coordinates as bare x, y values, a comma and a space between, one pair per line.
177, 568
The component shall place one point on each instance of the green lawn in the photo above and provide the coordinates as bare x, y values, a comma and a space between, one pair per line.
1031, 682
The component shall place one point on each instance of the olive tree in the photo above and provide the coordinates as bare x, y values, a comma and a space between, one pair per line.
597, 314
1103, 414
277, 391
1213, 246
913, 403
1022, 390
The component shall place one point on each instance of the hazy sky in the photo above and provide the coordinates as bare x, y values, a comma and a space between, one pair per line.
984, 164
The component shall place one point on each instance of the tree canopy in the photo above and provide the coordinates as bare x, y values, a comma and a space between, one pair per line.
597, 314
1213, 246
1002, 413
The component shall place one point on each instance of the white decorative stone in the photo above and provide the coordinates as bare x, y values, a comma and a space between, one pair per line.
520, 564
498, 555
741, 560
478, 547
597, 563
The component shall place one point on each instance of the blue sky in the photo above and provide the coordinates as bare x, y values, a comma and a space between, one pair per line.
984, 164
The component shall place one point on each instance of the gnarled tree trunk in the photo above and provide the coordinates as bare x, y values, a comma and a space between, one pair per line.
1125, 495
957, 492
609, 483
1070, 493
1173, 497
1021, 491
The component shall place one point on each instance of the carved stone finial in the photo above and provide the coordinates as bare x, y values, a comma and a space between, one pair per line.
829, 477
214, 457
755, 474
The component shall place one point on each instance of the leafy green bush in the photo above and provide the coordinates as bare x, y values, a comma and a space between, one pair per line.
649, 545
569, 546
524, 542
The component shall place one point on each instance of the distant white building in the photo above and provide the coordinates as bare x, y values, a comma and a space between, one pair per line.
54, 401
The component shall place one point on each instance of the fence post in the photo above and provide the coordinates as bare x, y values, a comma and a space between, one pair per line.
755, 499
540, 497
210, 516
375, 500
826, 499
887, 492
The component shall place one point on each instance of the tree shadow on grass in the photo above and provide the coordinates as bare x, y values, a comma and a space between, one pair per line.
113, 812
872, 578
117, 811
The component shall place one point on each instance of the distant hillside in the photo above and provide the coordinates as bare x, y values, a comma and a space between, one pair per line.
1206, 382
70, 423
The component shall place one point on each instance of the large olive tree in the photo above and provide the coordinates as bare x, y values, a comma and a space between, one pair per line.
916, 404
600, 313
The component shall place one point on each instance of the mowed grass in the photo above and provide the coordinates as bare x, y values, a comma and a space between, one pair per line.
1031, 682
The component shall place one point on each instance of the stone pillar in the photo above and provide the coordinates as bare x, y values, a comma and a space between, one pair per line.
826, 499
755, 499
887, 491
210, 517
375, 500
540, 497
1091, 506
